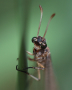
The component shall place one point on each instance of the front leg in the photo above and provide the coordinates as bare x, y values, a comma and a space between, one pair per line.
29, 53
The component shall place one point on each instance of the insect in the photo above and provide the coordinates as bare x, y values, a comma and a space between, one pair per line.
40, 51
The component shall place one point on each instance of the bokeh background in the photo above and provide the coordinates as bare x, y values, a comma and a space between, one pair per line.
18, 15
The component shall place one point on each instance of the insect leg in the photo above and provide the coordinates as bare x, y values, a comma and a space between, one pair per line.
38, 68
28, 57
39, 76
28, 73
42, 68
40, 65
21, 70
29, 53
31, 59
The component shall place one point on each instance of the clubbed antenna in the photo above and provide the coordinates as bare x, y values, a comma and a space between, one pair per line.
40, 18
48, 24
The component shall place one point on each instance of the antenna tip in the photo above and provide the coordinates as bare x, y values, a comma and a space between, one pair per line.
40, 7
52, 15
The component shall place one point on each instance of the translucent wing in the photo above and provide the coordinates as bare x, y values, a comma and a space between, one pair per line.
50, 82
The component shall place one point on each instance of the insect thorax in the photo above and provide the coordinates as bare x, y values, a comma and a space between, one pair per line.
41, 55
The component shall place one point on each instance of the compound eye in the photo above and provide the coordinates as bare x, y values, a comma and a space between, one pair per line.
34, 39
43, 45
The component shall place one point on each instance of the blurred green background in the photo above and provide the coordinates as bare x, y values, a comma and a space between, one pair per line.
59, 38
